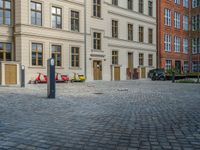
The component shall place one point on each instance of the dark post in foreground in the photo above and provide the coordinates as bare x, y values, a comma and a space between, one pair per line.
173, 77
22, 76
51, 89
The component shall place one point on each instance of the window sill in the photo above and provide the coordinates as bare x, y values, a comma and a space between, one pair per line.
96, 50
56, 67
75, 68
37, 67
100, 18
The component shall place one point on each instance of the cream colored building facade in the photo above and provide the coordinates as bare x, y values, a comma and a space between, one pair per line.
40, 29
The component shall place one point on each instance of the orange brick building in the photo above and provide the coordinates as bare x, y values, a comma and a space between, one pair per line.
173, 36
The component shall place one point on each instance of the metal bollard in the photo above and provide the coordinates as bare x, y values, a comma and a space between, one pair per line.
173, 77
51, 87
22, 76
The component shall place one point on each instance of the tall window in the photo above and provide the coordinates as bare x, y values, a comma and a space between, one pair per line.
141, 59
141, 6
37, 54
5, 12
167, 17
168, 64
186, 3
167, 42
185, 23
150, 36
114, 57
115, 2
186, 66
150, 59
5, 51
185, 45
97, 8
177, 1
130, 32
97, 41
36, 13
75, 57
177, 17
114, 29
177, 44
194, 45
141, 34
56, 54
196, 22
56, 17
130, 4
75, 21
150, 8
195, 3
195, 66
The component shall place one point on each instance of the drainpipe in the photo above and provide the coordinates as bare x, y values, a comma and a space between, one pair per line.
85, 38
14, 30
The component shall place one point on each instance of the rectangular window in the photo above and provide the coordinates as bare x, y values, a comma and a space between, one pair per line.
141, 6
150, 60
97, 41
130, 4
195, 66
194, 22
5, 12
115, 2
168, 64
185, 23
141, 59
57, 55
194, 46
36, 13
150, 8
141, 34
75, 21
114, 57
167, 42
5, 51
195, 3
114, 29
186, 67
185, 45
37, 54
177, 17
56, 17
75, 57
186, 3
97, 8
167, 17
130, 32
150, 36
177, 44
177, 2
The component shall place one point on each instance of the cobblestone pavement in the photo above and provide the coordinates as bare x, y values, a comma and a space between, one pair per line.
101, 115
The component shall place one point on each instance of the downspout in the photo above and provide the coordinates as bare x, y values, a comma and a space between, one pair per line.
85, 38
158, 29
13, 32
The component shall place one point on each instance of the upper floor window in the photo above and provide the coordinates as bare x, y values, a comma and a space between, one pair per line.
177, 44
185, 45
36, 13
195, 3
186, 3
141, 6
195, 45
185, 23
97, 41
5, 51
37, 54
114, 57
97, 8
130, 32
196, 22
167, 42
186, 66
115, 2
177, 1
114, 29
167, 17
75, 57
75, 21
177, 17
130, 4
150, 36
150, 8
56, 17
150, 59
141, 34
5, 12
56, 54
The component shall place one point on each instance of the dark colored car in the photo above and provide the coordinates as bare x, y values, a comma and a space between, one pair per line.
157, 74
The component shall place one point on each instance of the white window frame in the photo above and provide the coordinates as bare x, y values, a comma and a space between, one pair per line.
177, 18
167, 42
185, 45
177, 44
167, 17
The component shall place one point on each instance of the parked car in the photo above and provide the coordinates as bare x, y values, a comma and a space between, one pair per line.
150, 74
158, 74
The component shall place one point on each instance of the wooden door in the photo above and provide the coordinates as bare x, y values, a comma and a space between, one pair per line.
10, 74
97, 70
130, 60
143, 72
117, 73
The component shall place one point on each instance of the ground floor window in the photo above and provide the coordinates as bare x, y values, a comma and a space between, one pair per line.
141, 59
186, 67
115, 57
56, 54
37, 54
75, 57
168, 64
150, 59
5, 51
195, 66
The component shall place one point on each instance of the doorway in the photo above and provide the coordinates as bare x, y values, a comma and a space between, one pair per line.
178, 65
117, 73
97, 70
143, 72
10, 74
130, 60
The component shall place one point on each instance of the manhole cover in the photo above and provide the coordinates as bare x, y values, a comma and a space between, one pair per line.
99, 93
122, 90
